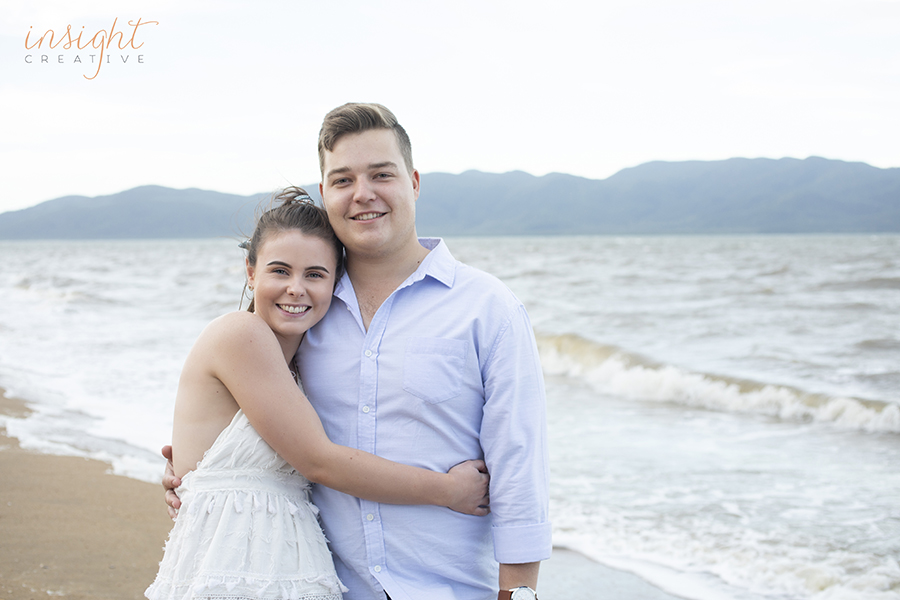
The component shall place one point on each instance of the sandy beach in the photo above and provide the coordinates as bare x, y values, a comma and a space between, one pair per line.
70, 529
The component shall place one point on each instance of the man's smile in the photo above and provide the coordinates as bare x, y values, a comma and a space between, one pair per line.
368, 216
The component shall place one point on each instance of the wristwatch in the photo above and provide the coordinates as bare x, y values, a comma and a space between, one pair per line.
519, 593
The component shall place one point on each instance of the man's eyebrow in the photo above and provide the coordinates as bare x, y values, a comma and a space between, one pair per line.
336, 171
372, 166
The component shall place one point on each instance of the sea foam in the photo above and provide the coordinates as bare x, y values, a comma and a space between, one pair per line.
614, 371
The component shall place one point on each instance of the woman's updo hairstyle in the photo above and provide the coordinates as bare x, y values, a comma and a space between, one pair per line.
291, 209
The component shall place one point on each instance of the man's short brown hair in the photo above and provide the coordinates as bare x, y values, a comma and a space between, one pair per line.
356, 117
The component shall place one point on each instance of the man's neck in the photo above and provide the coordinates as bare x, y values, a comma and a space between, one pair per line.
375, 278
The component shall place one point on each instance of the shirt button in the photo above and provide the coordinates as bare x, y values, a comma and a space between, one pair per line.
368, 353
366, 409
370, 517
378, 568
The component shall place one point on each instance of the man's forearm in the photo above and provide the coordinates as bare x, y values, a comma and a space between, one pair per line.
513, 576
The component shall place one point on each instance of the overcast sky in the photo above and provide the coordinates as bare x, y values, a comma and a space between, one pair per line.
230, 95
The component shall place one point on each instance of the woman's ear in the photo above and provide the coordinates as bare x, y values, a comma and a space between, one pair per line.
250, 273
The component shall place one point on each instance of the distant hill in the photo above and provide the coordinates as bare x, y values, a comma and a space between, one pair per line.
731, 196
738, 195
149, 211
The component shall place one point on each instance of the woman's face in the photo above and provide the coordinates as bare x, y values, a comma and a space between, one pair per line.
292, 281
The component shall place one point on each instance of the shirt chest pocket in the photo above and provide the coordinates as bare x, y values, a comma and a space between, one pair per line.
433, 368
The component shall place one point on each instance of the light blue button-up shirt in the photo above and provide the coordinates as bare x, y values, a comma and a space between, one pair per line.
447, 371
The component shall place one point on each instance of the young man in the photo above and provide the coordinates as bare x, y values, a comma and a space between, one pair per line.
424, 361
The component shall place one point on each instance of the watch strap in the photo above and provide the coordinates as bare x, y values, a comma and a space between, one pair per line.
507, 594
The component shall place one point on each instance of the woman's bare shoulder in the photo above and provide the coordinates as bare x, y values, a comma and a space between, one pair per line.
232, 334
238, 323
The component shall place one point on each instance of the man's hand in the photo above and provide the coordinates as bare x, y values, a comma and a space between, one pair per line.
470, 487
170, 482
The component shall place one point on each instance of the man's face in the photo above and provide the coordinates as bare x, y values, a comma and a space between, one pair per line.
370, 196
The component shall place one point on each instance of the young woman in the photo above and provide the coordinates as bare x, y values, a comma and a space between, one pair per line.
246, 442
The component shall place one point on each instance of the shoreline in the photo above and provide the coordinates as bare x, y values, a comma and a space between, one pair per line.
70, 528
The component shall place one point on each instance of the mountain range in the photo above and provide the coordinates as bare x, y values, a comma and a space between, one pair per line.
738, 195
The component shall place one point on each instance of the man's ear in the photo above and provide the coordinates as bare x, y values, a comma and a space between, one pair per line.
415, 182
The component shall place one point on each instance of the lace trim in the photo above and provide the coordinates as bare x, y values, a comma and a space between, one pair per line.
243, 587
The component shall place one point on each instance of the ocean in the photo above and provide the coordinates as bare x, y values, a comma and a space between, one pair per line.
724, 411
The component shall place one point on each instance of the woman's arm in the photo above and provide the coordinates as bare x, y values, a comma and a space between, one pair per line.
248, 360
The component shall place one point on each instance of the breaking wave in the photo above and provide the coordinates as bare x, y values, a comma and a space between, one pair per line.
611, 370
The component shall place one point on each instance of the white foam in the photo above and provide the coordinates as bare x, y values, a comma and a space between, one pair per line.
709, 564
616, 373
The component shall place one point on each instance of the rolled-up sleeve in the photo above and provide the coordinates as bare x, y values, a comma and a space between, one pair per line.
514, 439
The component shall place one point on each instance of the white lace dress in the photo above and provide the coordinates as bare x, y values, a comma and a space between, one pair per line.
246, 529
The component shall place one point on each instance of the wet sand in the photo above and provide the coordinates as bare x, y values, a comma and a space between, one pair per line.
69, 529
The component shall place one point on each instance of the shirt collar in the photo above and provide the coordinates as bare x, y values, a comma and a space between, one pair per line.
439, 265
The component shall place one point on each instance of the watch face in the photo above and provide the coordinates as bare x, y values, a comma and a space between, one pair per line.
523, 593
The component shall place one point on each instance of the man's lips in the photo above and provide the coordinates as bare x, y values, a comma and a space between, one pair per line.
368, 216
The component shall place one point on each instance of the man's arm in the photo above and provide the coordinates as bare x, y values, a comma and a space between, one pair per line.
514, 439
513, 576
170, 482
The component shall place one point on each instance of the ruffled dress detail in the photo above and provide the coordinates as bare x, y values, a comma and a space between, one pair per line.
246, 529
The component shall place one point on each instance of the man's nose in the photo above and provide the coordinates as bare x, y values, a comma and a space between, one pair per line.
363, 190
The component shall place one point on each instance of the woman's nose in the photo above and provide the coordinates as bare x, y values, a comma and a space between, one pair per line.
296, 288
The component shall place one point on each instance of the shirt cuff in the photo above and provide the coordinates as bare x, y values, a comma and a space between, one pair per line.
522, 544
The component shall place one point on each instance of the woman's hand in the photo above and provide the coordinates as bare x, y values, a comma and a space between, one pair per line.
470, 488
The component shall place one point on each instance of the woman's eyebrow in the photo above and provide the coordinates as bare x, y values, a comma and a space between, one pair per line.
310, 268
